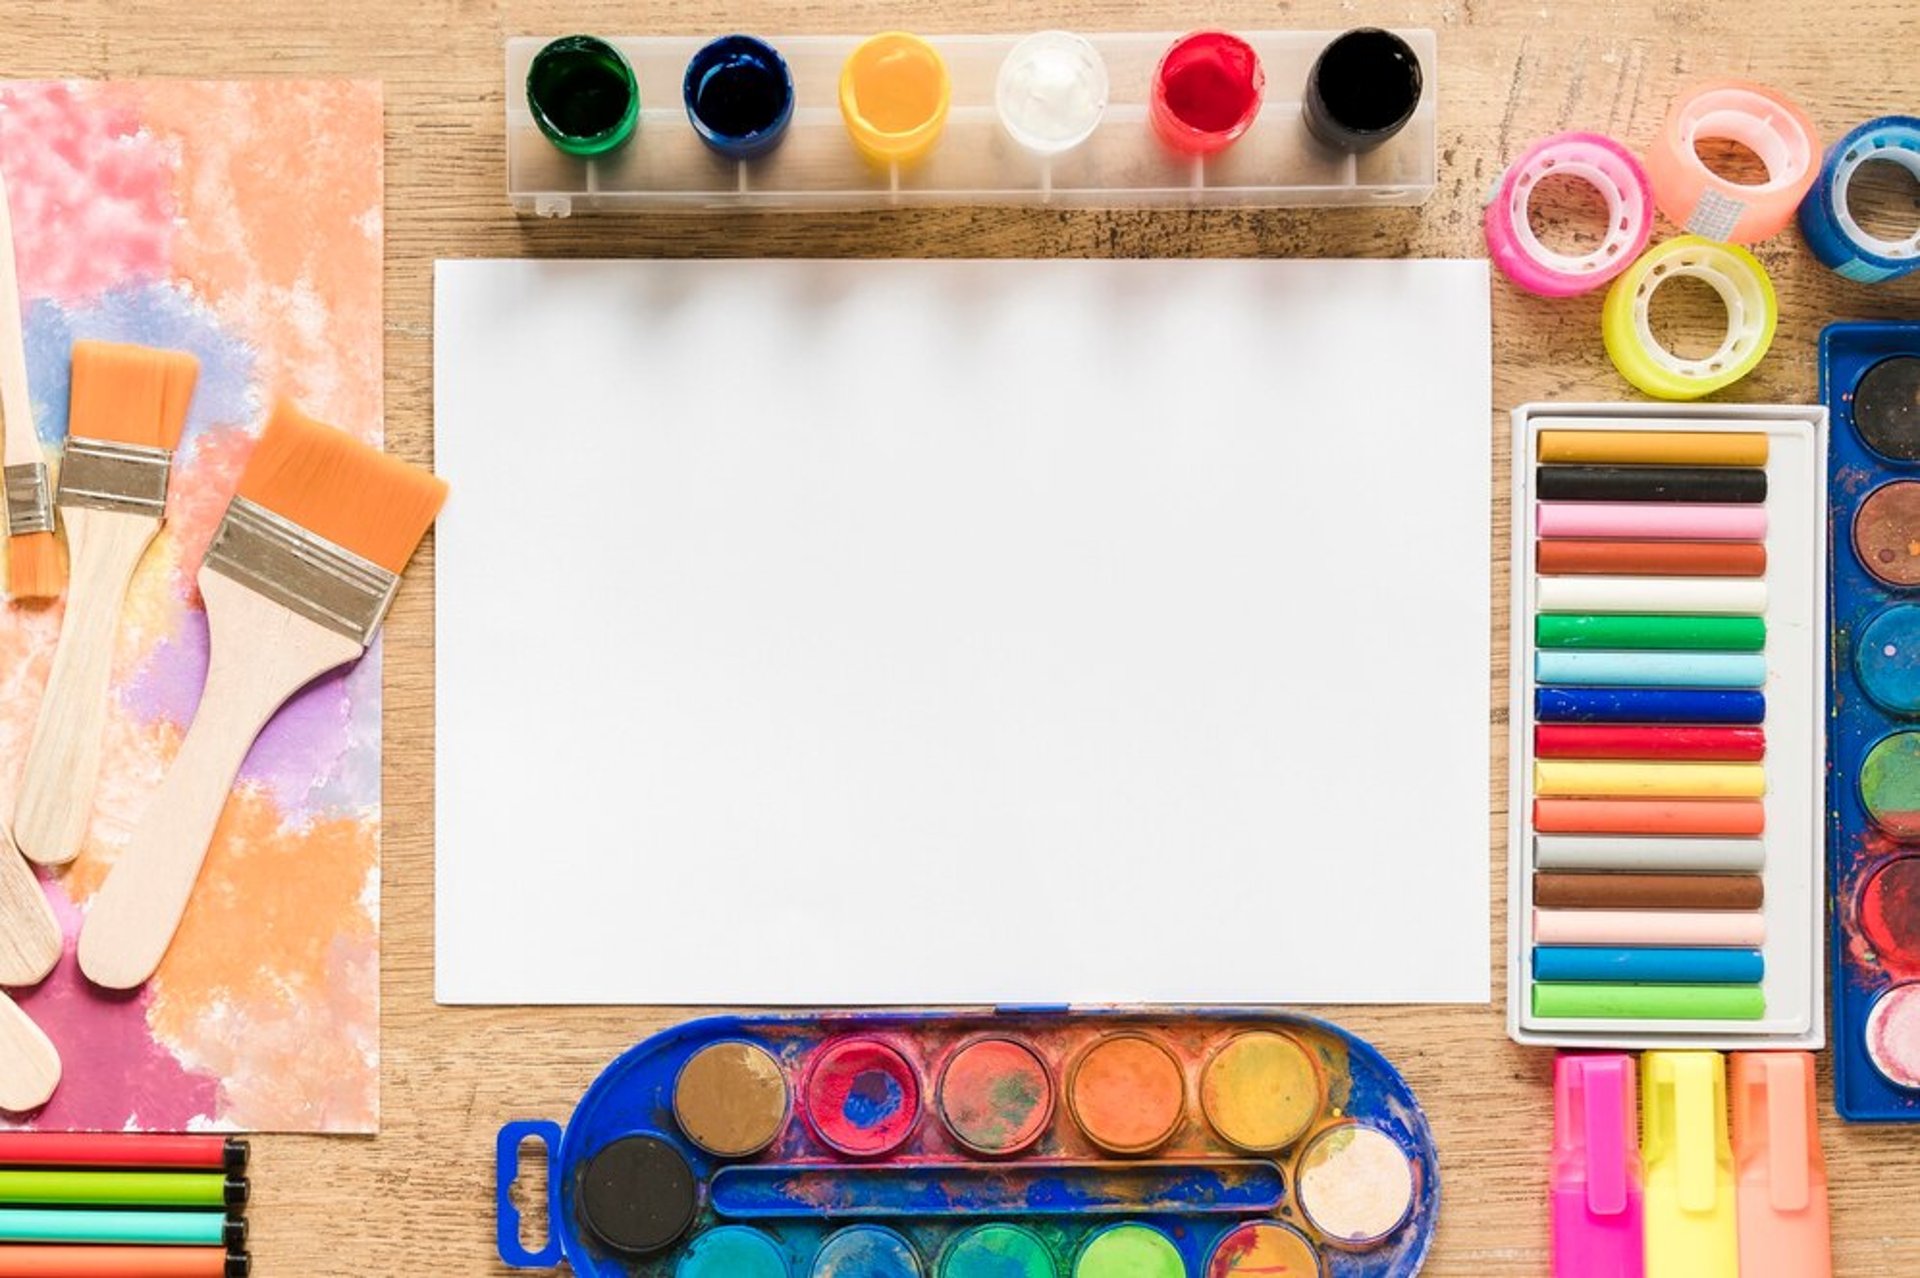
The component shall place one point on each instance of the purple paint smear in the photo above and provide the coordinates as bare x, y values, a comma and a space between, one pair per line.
116, 1076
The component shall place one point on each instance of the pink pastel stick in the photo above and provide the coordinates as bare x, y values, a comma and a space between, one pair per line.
1702, 521
1744, 929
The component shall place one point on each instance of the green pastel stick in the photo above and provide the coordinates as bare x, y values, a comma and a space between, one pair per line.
119, 1188
136, 1228
1649, 630
1649, 1002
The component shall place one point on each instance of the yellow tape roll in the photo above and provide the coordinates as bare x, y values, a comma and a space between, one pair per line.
1732, 272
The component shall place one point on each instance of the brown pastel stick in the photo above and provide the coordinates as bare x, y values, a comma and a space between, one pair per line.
1648, 891
1572, 555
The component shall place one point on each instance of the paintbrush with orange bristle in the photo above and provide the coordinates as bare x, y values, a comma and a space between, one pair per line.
126, 410
33, 560
299, 576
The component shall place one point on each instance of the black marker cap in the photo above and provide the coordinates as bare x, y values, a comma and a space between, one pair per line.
239, 1264
237, 1192
233, 1156
233, 1235
1363, 89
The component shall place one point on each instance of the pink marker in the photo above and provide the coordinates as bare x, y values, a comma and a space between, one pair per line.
1598, 1210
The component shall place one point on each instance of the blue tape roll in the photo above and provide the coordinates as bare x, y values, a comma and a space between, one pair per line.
1835, 238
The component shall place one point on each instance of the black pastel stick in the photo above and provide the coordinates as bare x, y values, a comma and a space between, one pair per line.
1650, 483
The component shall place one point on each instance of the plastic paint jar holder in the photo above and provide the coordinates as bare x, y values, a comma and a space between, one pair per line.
739, 96
1052, 92
583, 95
1363, 89
1207, 92
894, 96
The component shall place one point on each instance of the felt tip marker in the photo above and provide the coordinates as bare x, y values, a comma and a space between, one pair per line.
1690, 1221
122, 1149
1784, 1227
53, 1260
56, 1186
1598, 1201
131, 1228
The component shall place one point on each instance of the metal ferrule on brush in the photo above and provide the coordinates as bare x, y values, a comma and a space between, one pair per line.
129, 478
305, 574
29, 499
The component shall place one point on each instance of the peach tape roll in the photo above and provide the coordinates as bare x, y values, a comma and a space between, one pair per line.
1704, 203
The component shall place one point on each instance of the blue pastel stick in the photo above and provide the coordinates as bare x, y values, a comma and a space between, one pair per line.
1652, 669
1662, 965
1647, 705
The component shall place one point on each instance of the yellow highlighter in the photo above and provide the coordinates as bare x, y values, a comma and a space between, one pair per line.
1692, 1229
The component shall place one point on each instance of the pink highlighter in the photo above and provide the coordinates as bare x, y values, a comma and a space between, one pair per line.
1598, 1208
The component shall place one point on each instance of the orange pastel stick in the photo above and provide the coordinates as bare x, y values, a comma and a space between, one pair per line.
1649, 816
1564, 555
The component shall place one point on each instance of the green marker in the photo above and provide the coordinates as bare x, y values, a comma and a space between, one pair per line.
131, 1228
1649, 1002
1649, 630
122, 1189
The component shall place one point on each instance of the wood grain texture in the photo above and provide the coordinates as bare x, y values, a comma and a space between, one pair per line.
1509, 71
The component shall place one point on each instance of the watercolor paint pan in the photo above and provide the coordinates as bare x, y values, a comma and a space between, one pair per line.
1665, 887
977, 157
1870, 382
1189, 1143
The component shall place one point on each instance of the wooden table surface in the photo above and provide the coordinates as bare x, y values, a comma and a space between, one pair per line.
418, 1199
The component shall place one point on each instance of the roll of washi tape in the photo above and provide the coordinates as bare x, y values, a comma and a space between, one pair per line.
1601, 163
1835, 237
1745, 290
1702, 202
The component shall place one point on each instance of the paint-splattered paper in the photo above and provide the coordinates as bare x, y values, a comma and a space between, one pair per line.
241, 222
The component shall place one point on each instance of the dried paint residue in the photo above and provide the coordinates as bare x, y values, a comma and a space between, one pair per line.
1890, 783
866, 1251
1261, 1091
1355, 1183
1264, 1249
1890, 913
997, 1251
863, 1097
1130, 1251
996, 1096
731, 1099
1893, 1035
1128, 1093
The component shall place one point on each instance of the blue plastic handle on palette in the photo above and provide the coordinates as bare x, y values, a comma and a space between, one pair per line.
507, 1217
1836, 239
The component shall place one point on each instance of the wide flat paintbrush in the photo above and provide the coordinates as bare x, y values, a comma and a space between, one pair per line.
33, 560
299, 576
128, 406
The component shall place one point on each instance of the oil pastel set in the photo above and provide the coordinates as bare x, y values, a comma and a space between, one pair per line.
1210, 118
1870, 381
1666, 805
1041, 1144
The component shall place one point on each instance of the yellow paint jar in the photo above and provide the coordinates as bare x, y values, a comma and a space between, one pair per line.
894, 95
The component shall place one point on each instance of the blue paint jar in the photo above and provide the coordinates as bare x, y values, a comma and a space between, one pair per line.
739, 96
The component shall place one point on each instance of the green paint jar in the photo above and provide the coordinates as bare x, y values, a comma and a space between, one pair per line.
583, 95
1129, 1251
997, 1251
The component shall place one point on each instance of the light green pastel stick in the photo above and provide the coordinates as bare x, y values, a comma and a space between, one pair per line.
137, 1228
1641, 630
1568, 1000
114, 1188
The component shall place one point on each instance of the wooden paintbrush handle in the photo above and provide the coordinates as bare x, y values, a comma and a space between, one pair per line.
29, 933
63, 761
262, 655
16, 410
29, 1064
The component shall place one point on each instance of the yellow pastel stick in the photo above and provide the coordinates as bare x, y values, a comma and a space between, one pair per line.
1654, 447
1608, 779
1691, 1226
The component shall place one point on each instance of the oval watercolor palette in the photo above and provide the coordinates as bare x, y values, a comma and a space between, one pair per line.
950, 1145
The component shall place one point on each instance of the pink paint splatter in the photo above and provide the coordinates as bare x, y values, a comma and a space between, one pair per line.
91, 191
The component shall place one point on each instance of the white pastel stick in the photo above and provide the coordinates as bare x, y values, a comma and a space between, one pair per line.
1649, 854
1715, 595
1747, 930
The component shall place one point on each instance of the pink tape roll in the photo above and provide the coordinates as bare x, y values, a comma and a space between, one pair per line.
1708, 205
1601, 163
1694, 521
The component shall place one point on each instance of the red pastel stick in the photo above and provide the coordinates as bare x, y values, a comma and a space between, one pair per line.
121, 1149
1638, 741
36, 1260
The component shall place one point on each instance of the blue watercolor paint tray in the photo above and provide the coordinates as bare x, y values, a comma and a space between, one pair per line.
636, 1189
1873, 868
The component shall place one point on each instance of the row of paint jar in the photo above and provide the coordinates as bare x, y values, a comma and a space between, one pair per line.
1051, 93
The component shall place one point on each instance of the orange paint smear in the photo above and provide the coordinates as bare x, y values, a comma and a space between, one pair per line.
1128, 1093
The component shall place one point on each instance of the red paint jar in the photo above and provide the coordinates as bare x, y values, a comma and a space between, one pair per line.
1207, 91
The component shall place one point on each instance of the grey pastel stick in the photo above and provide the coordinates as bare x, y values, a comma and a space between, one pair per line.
1649, 854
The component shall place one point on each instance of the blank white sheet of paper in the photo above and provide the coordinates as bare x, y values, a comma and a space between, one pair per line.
847, 632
